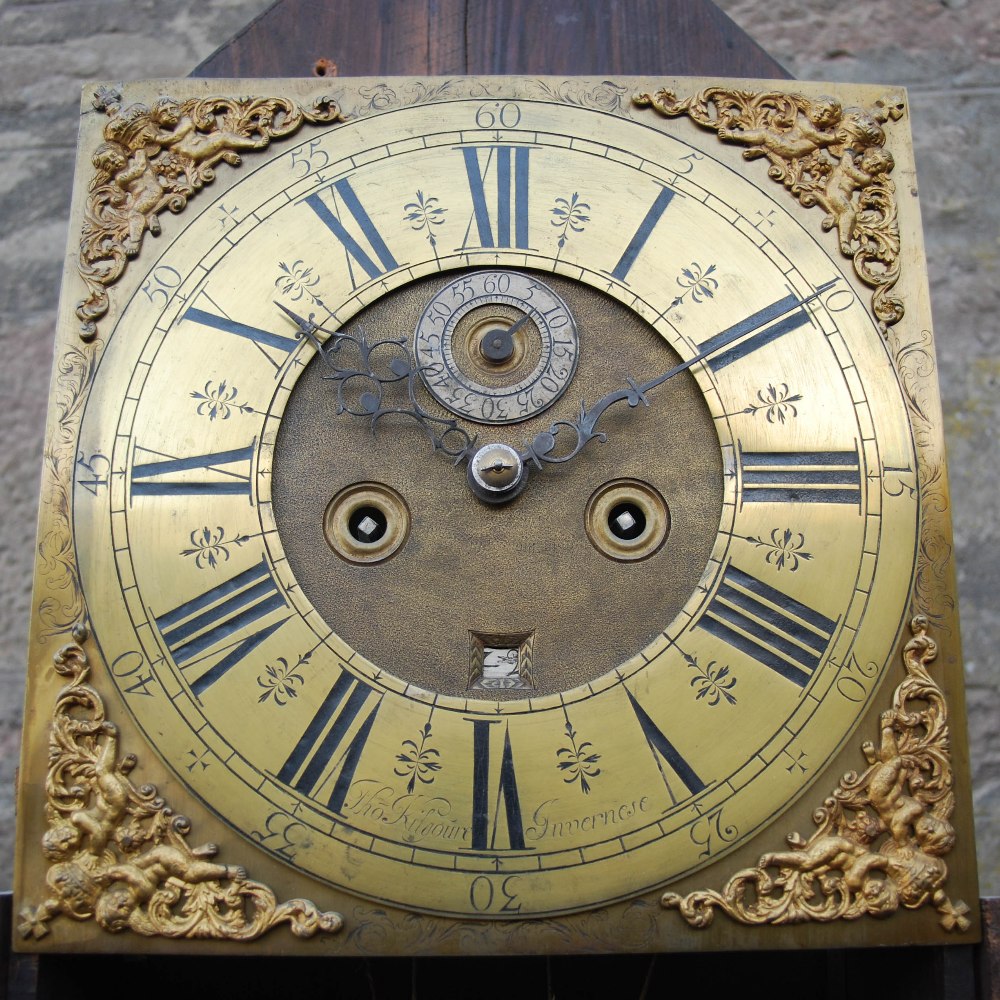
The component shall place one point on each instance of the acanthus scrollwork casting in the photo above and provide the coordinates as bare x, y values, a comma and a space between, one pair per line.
155, 158
117, 853
881, 836
826, 155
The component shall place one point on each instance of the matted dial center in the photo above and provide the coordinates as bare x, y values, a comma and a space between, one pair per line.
529, 568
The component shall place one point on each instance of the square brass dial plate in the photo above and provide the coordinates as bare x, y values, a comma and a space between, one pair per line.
494, 515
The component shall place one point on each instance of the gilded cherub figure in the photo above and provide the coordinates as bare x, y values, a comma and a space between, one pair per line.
192, 151
847, 177
92, 829
140, 194
848, 851
813, 129
120, 857
132, 883
890, 780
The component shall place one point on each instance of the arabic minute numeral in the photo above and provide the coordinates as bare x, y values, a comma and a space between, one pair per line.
504, 115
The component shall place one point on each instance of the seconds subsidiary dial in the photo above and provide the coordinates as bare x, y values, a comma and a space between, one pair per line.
496, 346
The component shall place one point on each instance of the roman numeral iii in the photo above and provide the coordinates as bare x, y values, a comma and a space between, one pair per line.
801, 477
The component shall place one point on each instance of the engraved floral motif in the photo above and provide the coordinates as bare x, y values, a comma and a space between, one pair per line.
699, 283
219, 400
577, 761
64, 603
154, 159
784, 548
825, 155
379, 97
296, 280
604, 96
119, 856
570, 216
777, 403
914, 360
423, 214
210, 546
280, 679
881, 836
711, 682
418, 761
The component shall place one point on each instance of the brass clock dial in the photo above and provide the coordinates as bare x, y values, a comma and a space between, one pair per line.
697, 550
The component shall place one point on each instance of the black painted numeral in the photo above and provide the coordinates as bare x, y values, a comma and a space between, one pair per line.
664, 751
262, 338
342, 194
770, 323
769, 626
218, 620
218, 473
327, 754
508, 227
801, 477
484, 792
642, 234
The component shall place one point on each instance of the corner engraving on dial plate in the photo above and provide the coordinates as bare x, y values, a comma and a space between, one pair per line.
500, 662
157, 158
826, 155
118, 854
903, 798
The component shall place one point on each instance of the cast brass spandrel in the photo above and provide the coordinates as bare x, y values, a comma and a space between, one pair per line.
120, 856
881, 837
154, 159
825, 155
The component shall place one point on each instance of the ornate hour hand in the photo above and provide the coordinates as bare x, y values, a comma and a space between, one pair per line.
763, 326
361, 389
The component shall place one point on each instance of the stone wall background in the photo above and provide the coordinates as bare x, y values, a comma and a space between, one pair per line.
946, 52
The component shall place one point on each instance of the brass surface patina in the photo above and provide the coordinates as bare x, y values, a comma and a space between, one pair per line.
494, 515
882, 835
118, 854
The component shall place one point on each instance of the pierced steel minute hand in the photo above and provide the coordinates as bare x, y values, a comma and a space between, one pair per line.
762, 327
361, 388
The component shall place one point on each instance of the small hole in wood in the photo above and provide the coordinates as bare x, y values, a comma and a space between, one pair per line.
325, 67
